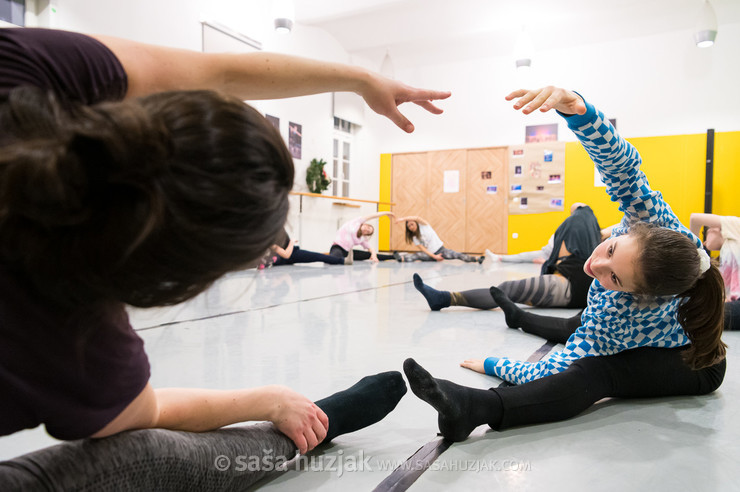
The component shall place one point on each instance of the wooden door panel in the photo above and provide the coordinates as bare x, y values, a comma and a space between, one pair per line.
486, 210
409, 193
446, 211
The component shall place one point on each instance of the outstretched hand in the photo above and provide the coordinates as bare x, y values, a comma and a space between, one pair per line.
384, 95
474, 365
547, 98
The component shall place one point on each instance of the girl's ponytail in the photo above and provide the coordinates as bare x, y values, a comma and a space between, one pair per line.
702, 318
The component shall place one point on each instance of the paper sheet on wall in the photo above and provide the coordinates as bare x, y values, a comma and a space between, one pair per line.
451, 181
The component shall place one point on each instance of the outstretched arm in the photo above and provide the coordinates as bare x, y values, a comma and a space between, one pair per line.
697, 221
547, 98
379, 214
616, 160
415, 218
262, 75
198, 410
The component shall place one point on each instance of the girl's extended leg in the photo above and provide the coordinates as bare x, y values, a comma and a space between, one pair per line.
302, 256
552, 328
640, 373
541, 291
226, 459
420, 256
449, 254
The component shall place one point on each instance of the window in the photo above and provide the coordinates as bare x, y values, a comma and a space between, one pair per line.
343, 136
13, 11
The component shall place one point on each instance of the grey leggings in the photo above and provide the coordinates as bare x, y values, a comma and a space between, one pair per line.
154, 459
542, 291
447, 254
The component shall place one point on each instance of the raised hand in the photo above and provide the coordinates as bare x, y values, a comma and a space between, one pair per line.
384, 95
547, 98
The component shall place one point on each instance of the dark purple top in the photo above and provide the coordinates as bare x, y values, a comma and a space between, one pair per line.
74, 66
49, 373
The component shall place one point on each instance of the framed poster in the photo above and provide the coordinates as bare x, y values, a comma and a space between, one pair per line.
295, 137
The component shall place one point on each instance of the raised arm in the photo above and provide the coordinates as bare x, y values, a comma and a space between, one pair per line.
697, 221
377, 215
616, 160
415, 218
262, 75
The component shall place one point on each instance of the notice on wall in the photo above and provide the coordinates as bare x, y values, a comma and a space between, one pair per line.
536, 178
451, 181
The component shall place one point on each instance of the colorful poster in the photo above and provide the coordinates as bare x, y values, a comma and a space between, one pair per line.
541, 133
295, 138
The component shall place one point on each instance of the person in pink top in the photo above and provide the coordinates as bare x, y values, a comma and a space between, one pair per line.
357, 232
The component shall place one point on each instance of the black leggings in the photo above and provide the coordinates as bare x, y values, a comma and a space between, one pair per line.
357, 254
639, 373
302, 256
558, 330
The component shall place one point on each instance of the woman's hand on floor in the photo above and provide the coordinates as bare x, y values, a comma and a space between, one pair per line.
474, 365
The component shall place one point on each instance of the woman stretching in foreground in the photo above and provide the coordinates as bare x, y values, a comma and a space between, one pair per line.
653, 324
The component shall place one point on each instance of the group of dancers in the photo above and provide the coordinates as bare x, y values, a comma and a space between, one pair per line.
134, 174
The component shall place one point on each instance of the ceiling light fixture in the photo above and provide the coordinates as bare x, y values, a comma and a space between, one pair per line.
523, 50
706, 29
284, 14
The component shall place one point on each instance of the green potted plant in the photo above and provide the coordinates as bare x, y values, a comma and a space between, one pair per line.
316, 177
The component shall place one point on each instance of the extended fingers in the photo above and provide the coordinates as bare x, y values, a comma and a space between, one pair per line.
429, 107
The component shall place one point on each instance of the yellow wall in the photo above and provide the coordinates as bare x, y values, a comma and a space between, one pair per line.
384, 195
675, 165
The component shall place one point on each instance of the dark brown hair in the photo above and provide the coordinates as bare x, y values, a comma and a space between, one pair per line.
668, 265
411, 235
144, 202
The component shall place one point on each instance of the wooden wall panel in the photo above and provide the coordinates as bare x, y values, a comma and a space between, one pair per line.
446, 210
409, 178
486, 203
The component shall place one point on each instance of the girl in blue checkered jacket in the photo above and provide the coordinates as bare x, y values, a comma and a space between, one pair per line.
654, 319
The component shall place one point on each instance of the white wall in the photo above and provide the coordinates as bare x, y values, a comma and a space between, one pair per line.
659, 85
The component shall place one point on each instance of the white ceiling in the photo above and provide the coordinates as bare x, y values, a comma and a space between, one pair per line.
425, 31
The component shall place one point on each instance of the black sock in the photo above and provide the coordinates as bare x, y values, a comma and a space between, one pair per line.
366, 402
437, 299
512, 312
461, 409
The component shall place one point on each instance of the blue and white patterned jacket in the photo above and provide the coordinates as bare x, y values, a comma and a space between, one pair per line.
613, 321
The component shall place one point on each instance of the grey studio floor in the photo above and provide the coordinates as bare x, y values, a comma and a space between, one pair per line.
320, 328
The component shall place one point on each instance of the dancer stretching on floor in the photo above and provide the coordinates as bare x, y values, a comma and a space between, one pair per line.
121, 188
653, 324
431, 248
561, 283
357, 232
